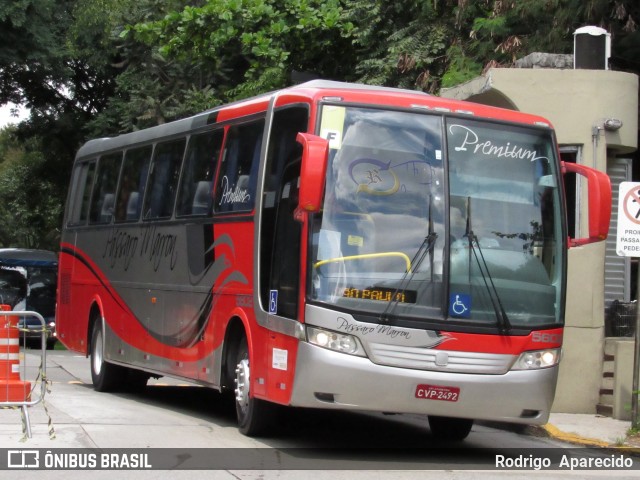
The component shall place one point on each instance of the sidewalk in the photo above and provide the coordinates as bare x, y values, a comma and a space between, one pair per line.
591, 430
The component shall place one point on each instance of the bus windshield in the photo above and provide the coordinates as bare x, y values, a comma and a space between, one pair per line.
438, 219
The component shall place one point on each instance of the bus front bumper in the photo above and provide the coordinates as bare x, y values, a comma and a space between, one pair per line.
331, 380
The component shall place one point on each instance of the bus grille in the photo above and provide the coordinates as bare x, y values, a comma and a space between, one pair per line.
440, 360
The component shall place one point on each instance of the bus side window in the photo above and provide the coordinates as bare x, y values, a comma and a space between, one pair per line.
194, 196
163, 179
236, 186
103, 201
132, 184
81, 193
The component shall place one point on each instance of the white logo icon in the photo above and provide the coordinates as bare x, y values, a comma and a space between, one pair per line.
23, 459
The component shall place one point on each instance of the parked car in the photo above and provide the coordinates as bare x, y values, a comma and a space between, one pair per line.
28, 281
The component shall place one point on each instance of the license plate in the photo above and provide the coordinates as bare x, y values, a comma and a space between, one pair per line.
438, 392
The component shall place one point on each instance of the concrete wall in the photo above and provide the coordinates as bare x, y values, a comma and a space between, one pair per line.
622, 377
581, 366
576, 102
573, 100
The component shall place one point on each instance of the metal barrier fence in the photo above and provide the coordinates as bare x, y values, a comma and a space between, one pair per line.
15, 392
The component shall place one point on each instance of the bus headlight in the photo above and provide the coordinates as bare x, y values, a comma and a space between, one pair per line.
537, 359
339, 342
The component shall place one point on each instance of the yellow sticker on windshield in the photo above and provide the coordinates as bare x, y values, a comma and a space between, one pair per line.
355, 240
332, 126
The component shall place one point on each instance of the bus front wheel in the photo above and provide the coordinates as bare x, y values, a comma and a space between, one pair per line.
254, 415
104, 375
452, 429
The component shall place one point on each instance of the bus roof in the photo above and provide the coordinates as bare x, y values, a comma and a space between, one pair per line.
310, 90
24, 257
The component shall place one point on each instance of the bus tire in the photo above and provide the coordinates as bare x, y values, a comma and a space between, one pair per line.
254, 415
104, 375
451, 429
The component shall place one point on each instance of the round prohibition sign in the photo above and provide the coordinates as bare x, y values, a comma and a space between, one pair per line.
631, 205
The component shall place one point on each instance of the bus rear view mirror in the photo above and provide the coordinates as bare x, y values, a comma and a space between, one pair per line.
315, 152
599, 187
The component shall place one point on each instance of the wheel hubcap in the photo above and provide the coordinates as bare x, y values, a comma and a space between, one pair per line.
242, 384
97, 353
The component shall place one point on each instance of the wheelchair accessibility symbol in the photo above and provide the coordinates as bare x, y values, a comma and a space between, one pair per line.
460, 305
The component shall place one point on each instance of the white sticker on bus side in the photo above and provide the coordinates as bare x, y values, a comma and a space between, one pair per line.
279, 359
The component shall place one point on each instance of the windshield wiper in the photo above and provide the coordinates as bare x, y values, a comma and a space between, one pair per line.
501, 315
425, 247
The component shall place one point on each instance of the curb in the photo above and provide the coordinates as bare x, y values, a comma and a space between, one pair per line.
558, 434
554, 432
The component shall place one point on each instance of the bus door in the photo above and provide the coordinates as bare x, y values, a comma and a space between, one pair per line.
280, 238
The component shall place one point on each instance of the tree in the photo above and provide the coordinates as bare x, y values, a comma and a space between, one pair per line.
36, 70
147, 89
244, 47
514, 29
426, 45
32, 51
31, 207
402, 43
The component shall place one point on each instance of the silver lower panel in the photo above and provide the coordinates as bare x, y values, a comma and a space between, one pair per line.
327, 379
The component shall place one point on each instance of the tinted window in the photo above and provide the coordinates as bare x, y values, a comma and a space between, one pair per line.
195, 197
13, 285
104, 192
82, 183
132, 184
236, 187
163, 180
41, 295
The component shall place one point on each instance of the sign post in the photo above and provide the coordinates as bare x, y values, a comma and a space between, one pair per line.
628, 245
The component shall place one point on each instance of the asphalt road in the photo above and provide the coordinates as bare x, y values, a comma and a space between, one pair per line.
196, 428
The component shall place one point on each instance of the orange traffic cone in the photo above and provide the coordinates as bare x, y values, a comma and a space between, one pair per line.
12, 389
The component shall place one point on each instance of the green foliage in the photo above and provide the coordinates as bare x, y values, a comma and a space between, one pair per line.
9, 146
31, 203
461, 68
150, 91
32, 49
400, 44
250, 46
504, 31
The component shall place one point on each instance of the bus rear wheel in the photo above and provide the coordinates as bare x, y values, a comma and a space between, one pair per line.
104, 375
254, 415
451, 429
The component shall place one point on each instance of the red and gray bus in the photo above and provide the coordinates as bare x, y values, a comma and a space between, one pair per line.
328, 245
